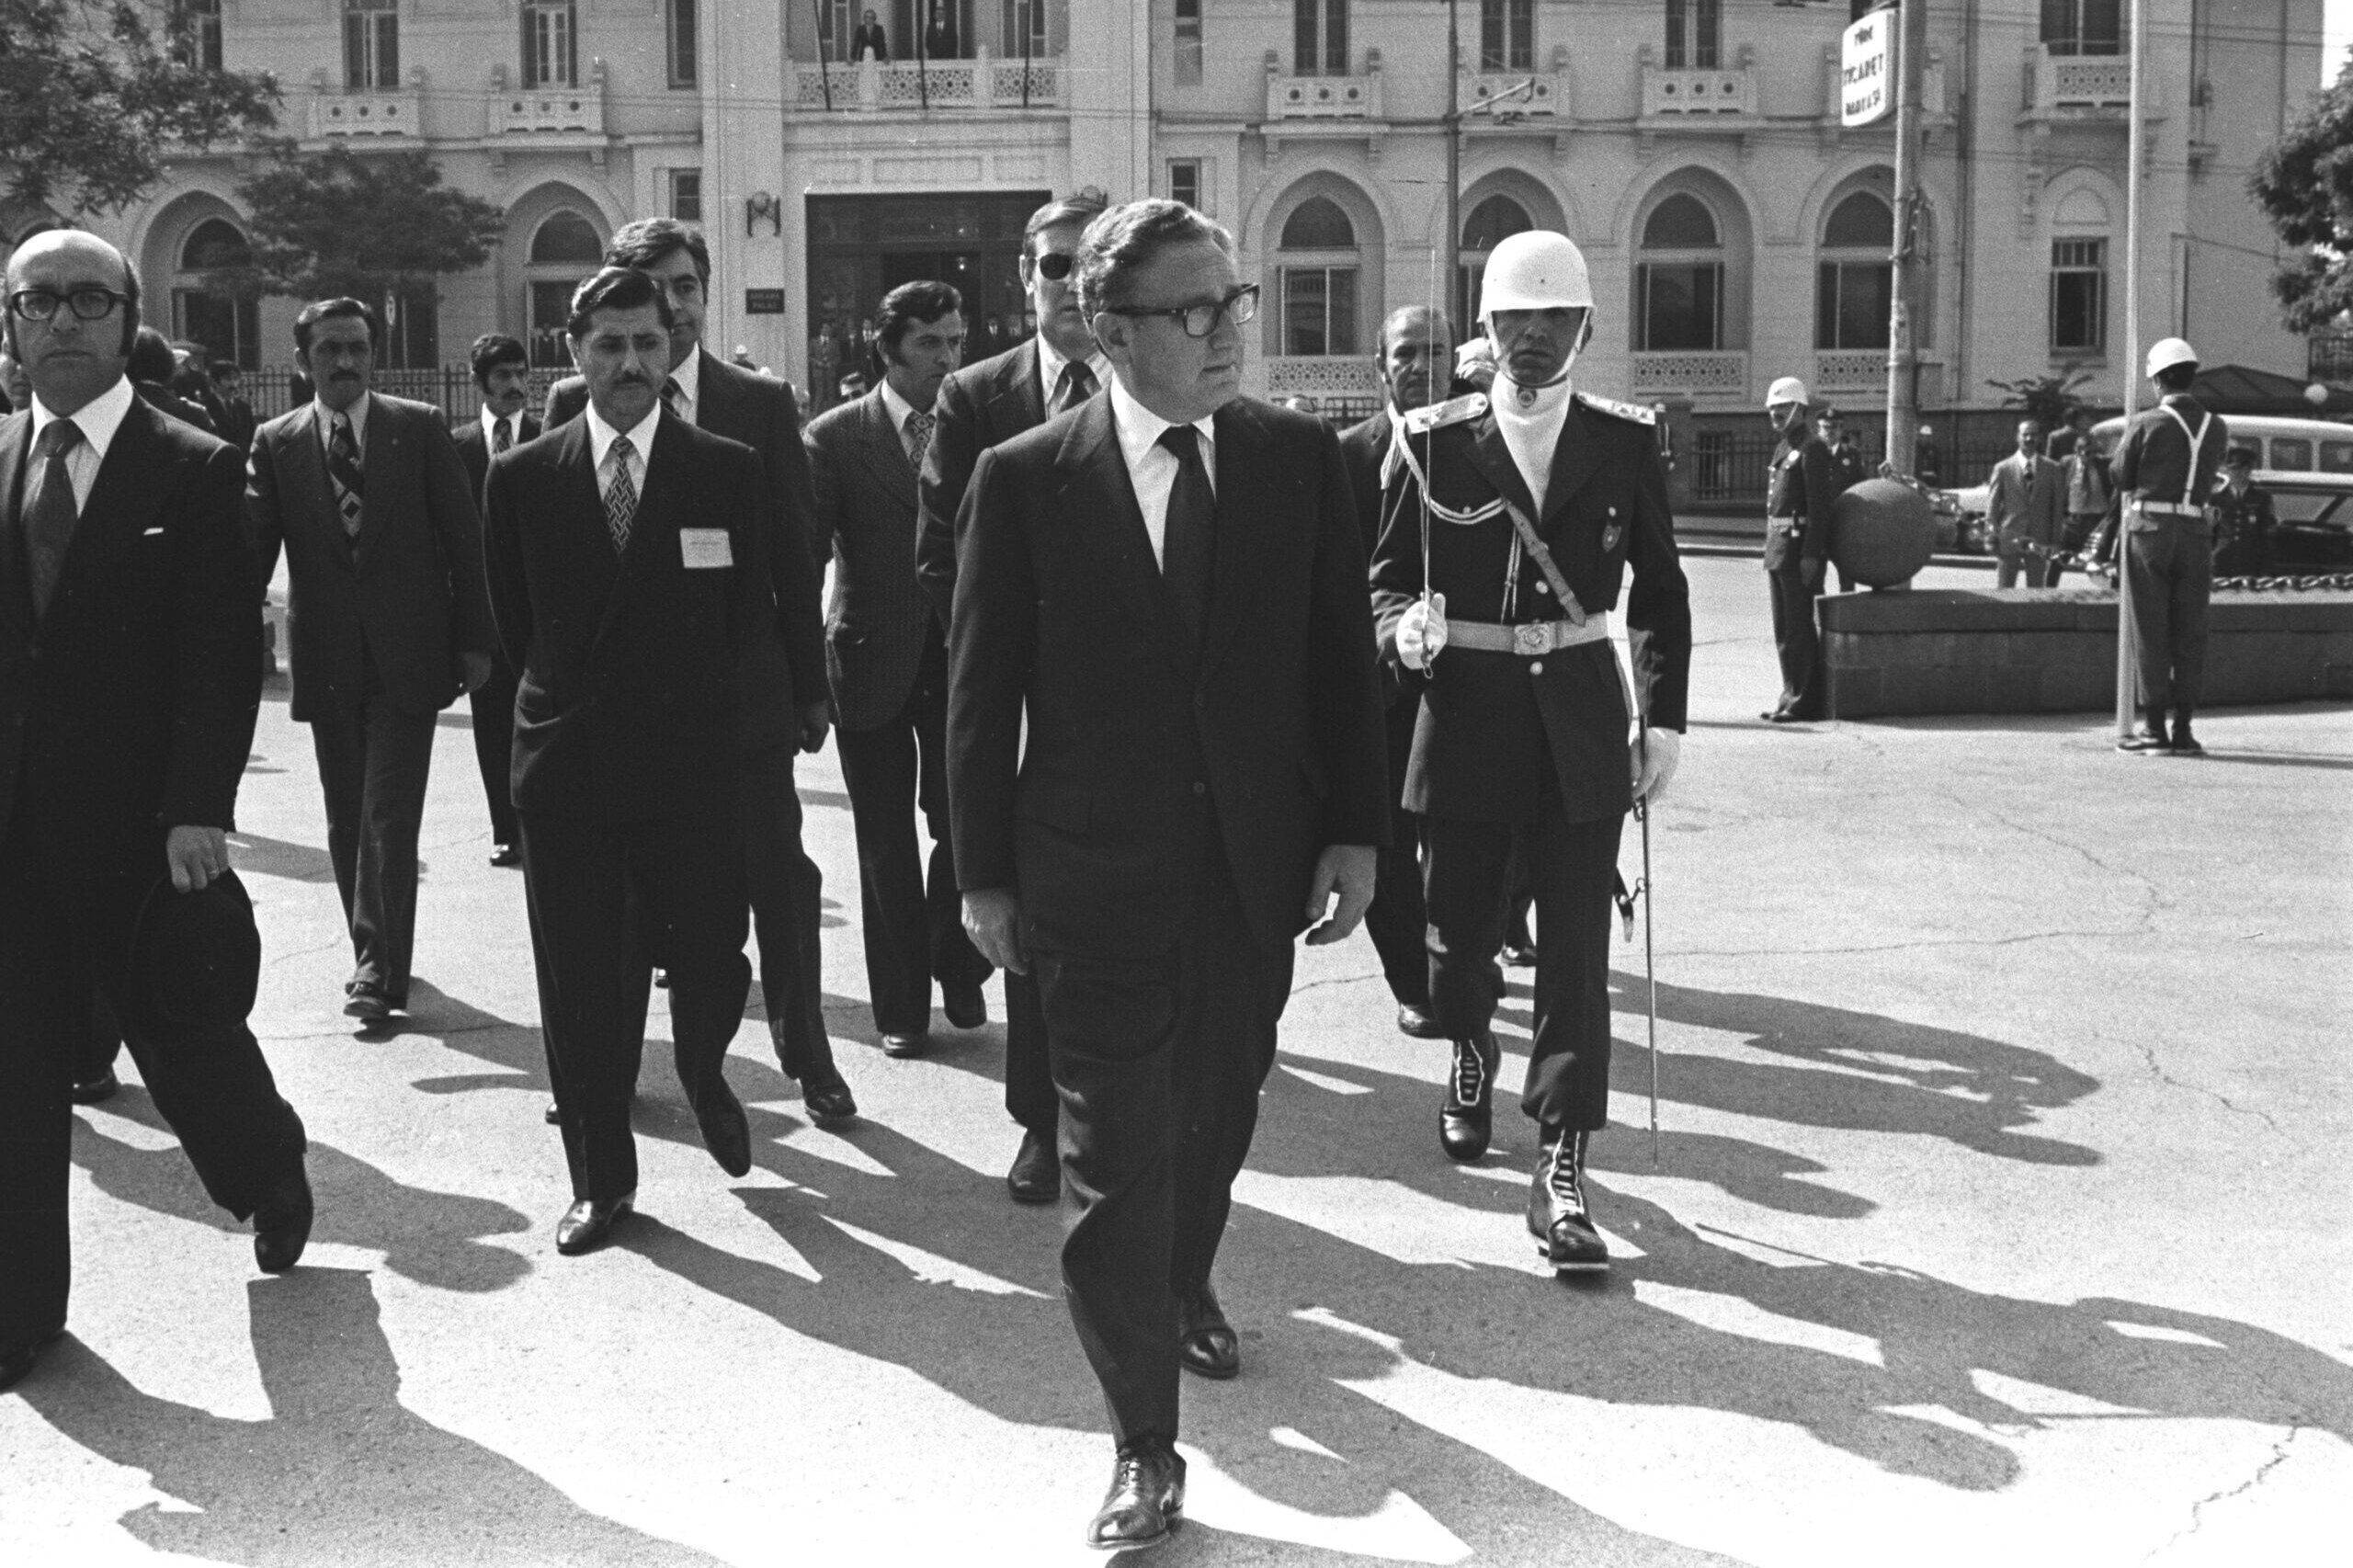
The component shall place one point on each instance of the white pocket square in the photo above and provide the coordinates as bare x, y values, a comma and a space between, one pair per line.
151, 533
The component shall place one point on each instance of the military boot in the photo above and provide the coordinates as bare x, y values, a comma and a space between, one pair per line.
1557, 1217
2183, 743
2150, 739
1466, 1116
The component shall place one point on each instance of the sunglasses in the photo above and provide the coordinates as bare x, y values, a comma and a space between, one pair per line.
1054, 265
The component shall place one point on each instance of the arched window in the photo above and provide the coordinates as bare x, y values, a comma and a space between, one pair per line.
567, 239
565, 248
1489, 223
1679, 277
1854, 281
1317, 255
204, 307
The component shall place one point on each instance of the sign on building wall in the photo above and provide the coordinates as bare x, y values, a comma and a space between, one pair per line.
1866, 59
764, 301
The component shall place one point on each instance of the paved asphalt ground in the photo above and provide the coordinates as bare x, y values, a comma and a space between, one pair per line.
2000, 1216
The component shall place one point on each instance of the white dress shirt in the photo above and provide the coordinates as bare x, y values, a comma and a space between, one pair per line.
899, 408
1152, 468
358, 415
97, 420
689, 375
491, 422
601, 438
1531, 430
1050, 369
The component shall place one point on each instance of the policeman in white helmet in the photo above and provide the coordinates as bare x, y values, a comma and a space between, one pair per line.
2164, 472
1799, 487
1516, 519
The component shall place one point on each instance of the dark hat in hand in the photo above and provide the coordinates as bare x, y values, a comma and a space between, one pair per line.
195, 958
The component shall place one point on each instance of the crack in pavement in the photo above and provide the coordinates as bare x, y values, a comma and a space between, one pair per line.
1891, 946
2152, 896
2149, 1056
2196, 1510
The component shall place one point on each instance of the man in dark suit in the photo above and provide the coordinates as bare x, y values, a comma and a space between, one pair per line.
237, 422
385, 616
1166, 583
786, 888
1800, 485
888, 657
151, 370
503, 375
129, 678
979, 407
1416, 348
627, 558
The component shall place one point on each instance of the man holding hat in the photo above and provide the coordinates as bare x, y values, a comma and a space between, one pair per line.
2165, 474
1514, 516
1800, 488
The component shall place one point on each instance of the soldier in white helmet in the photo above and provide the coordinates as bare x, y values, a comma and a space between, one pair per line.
2165, 470
1512, 520
1799, 489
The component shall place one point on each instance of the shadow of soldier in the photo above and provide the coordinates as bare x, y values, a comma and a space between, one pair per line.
339, 1471
434, 1238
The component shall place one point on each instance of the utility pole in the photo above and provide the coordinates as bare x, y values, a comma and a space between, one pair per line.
2126, 654
1902, 344
1454, 161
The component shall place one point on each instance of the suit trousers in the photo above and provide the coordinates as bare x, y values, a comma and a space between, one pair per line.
372, 766
1395, 921
914, 915
2168, 581
1572, 866
1159, 1061
2011, 564
1030, 1097
1797, 641
66, 933
494, 712
601, 896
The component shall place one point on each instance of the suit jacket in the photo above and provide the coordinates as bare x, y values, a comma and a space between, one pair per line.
632, 669
979, 407
1364, 448
878, 626
407, 597
1799, 488
129, 709
1062, 617
1490, 724
473, 447
758, 411
2026, 502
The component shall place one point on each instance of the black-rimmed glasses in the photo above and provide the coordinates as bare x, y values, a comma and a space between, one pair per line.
1198, 321
88, 302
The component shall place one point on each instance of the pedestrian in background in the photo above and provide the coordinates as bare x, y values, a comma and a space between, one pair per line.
2089, 493
1799, 488
2244, 520
1847, 470
386, 618
502, 372
152, 370
2025, 498
236, 419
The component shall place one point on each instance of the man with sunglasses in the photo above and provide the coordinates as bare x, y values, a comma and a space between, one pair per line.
978, 407
1166, 586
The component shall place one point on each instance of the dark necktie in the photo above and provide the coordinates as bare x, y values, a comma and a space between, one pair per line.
343, 469
1076, 386
1187, 539
503, 435
673, 397
50, 510
620, 495
918, 437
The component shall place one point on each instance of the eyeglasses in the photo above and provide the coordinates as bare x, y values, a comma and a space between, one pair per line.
1198, 321
1054, 265
88, 301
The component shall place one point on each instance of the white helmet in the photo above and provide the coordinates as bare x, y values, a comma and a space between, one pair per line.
2167, 352
1789, 389
1535, 270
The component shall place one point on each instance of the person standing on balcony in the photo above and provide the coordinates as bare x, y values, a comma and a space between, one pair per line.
503, 376
1799, 487
868, 40
939, 40
2025, 496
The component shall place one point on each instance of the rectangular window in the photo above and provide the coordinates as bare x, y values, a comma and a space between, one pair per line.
1025, 28
2079, 296
685, 39
1187, 56
2083, 26
1694, 34
1850, 304
371, 45
1185, 182
1507, 35
551, 44
1320, 38
196, 33
2290, 454
1682, 304
1319, 310
551, 306
229, 328
686, 195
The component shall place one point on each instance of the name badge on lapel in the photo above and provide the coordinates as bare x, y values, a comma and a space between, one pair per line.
705, 548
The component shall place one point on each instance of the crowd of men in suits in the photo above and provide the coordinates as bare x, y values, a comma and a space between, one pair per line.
1168, 675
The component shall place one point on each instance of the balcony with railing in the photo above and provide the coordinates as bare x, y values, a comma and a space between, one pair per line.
396, 111
984, 82
1324, 97
1500, 97
1699, 98
1702, 374
2097, 88
1340, 385
549, 110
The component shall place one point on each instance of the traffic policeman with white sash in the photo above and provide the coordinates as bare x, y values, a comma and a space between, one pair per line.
1512, 521
2165, 472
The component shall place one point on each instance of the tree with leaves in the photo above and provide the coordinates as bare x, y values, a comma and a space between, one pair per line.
2304, 185
94, 92
373, 227
2047, 400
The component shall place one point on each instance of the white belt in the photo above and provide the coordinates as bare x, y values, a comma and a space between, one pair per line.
1528, 638
2167, 509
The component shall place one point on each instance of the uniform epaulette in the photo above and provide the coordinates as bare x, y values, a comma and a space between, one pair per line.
1439, 415
1640, 414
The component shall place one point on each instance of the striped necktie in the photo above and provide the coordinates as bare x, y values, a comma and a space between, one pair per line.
673, 397
503, 435
621, 493
343, 470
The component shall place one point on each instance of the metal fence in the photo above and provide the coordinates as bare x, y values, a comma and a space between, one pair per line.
272, 388
1730, 453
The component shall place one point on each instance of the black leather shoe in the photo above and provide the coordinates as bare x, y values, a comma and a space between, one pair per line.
906, 1045
588, 1224
1557, 1216
105, 1087
505, 856
661, 980
726, 1131
2183, 743
965, 1007
829, 1104
1206, 1342
1146, 1502
554, 1118
1414, 1019
368, 1005
14, 1364
1037, 1173
1517, 955
1466, 1116
283, 1224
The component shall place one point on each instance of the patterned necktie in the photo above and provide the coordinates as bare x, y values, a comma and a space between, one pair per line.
343, 469
1077, 385
620, 495
673, 397
918, 437
1189, 536
50, 510
503, 435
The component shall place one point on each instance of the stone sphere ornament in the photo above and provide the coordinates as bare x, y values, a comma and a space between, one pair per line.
1883, 532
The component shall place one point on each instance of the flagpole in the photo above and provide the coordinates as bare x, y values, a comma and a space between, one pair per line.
2127, 657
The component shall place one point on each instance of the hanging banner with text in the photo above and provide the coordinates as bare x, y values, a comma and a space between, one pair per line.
1866, 75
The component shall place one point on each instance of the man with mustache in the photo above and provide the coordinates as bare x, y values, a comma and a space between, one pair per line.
503, 375
386, 618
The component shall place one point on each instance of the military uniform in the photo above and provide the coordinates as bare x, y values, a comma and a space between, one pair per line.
1530, 746
2244, 523
1799, 487
2165, 472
